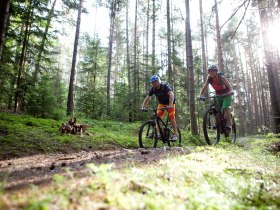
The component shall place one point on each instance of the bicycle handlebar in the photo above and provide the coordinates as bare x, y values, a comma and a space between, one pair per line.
202, 98
153, 109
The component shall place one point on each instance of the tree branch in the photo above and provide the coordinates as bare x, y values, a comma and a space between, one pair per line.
235, 11
241, 19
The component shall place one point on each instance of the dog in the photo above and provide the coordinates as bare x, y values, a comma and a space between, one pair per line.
74, 129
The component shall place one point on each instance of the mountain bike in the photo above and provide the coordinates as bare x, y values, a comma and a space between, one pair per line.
156, 131
214, 123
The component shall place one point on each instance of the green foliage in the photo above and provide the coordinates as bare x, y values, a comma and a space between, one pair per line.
91, 99
29, 47
26, 135
43, 100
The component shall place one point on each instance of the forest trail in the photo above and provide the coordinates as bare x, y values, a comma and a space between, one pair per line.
236, 176
18, 173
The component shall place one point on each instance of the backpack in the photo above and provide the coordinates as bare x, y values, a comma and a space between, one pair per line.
220, 74
164, 84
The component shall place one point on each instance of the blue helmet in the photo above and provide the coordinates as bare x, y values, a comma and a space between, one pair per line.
212, 67
154, 78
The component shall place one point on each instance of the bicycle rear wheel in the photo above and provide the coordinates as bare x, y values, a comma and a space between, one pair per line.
148, 135
210, 127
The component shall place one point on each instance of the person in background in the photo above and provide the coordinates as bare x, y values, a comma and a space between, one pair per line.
223, 91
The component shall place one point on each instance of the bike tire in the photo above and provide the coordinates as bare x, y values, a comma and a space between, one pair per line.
147, 135
210, 127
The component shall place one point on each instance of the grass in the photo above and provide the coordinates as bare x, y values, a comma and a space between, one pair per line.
22, 135
209, 178
240, 176
25, 135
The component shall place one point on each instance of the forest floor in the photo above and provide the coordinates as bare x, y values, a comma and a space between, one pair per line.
196, 177
39, 169
42, 169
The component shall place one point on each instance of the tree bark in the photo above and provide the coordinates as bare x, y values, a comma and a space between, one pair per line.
190, 69
204, 64
271, 63
130, 118
135, 70
219, 41
70, 101
169, 64
42, 45
4, 14
20, 67
110, 52
147, 72
154, 39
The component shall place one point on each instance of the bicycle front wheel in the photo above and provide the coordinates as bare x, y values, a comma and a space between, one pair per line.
210, 127
148, 135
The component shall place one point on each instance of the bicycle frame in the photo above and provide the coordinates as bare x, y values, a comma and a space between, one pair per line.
159, 121
157, 130
219, 114
220, 120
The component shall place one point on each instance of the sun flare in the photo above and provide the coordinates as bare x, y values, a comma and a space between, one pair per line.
273, 32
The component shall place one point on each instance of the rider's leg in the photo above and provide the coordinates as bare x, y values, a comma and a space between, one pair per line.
171, 115
228, 117
160, 113
226, 107
174, 126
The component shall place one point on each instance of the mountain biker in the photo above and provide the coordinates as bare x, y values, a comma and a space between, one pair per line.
223, 91
166, 99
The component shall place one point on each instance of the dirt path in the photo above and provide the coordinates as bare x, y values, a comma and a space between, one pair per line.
21, 172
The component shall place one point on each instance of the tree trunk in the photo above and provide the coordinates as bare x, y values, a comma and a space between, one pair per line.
135, 74
249, 104
70, 101
219, 42
110, 52
20, 67
190, 69
147, 48
4, 14
169, 69
204, 64
42, 45
95, 70
242, 118
128, 66
271, 67
154, 39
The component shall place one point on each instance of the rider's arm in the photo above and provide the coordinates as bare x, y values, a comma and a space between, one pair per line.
204, 87
171, 97
146, 101
227, 84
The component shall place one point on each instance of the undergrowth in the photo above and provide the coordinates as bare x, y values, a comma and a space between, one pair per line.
23, 135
